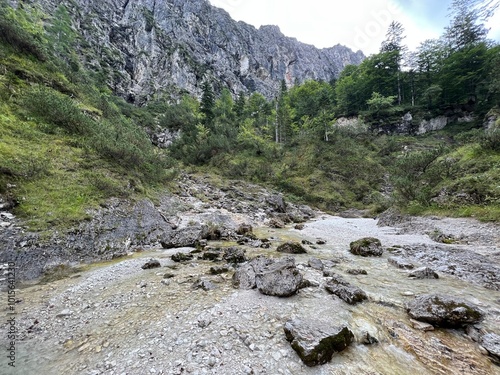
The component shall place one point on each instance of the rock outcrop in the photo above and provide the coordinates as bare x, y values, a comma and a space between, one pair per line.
171, 46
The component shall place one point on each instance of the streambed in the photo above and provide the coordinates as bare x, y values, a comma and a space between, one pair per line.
116, 318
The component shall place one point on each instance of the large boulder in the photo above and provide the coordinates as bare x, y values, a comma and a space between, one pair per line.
366, 247
346, 292
276, 278
291, 248
244, 277
281, 278
184, 237
444, 311
277, 203
316, 342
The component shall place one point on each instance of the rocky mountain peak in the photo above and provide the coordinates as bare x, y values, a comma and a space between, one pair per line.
150, 47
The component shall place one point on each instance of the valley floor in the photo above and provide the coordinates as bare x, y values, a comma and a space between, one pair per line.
116, 318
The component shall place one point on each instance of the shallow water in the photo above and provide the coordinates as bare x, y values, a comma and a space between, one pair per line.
120, 326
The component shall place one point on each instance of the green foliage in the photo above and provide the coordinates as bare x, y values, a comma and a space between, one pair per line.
22, 29
207, 103
415, 175
378, 102
58, 109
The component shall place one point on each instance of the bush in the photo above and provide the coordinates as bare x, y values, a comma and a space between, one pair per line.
416, 174
491, 139
58, 109
13, 33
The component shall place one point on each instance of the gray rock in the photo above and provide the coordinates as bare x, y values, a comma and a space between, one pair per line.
316, 263
444, 311
368, 339
291, 248
356, 272
219, 270
213, 255
491, 342
281, 278
366, 247
347, 293
276, 223
234, 255
206, 285
421, 326
244, 277
423, 273
65, 313
184, 237
181, 257
316, 342
401, 263
150, 264
244, 229
277, 203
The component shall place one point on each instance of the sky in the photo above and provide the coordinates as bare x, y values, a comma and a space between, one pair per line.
357, 24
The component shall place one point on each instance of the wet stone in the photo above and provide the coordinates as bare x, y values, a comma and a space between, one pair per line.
400, 263
316, 264
181, 257
347, 293
281, 278
366, 247
291, 248
356, 272
423, 273
316, 342
491, 342
444, 311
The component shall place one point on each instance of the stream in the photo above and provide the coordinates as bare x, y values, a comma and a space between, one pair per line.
116, 318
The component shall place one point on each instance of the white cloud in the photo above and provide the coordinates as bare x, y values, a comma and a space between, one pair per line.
358, 24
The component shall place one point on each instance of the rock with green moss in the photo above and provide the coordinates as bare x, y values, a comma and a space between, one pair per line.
444, 311
291, 248
367, 247
181, 257
317, 342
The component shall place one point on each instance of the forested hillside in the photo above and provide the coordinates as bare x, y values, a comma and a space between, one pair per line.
68, 142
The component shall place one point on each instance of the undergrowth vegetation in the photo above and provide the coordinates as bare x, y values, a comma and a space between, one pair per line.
67, 143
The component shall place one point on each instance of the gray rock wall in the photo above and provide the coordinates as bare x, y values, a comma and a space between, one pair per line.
152, 46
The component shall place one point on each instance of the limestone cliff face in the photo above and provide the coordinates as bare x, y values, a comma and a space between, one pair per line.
153, 46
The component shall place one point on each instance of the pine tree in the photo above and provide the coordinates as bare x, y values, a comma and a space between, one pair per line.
466, 27
207, 104
394, 44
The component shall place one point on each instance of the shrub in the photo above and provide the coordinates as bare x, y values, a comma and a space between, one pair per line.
491, 139
58, 109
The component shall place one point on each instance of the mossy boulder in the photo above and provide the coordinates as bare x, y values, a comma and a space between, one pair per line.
291, 248
366, 247
317, 342
444, 311
181, 257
